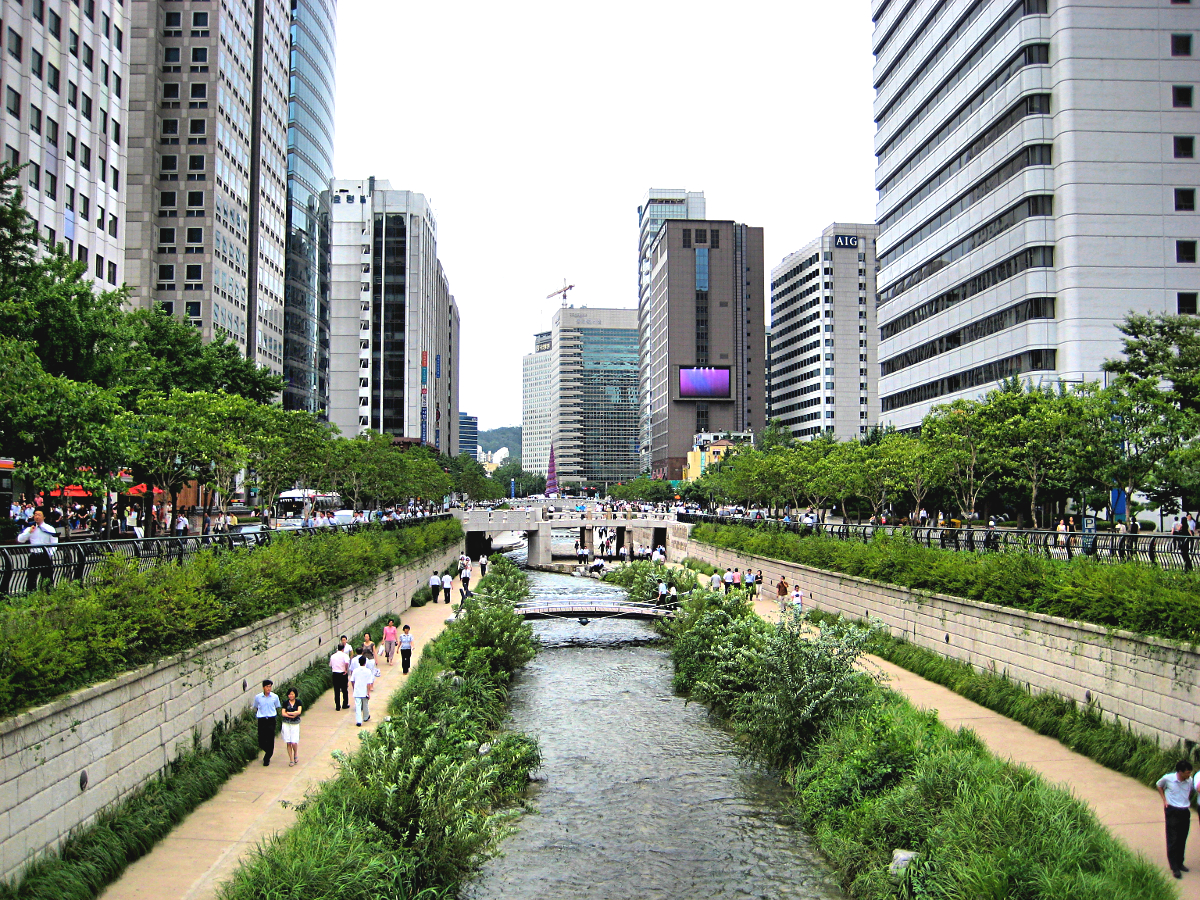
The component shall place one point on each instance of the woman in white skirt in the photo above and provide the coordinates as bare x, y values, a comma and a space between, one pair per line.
292, 711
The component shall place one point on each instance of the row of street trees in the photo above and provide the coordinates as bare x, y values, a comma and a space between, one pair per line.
1022, 448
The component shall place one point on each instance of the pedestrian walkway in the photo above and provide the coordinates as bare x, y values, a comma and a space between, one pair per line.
1129, 809
206, 847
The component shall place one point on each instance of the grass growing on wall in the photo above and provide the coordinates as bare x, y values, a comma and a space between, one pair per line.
1132, 596
81, 634
428, 794
872, 774
96, 855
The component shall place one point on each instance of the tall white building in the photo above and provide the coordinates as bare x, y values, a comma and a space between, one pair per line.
658, 205
1036, 175
536, 412
66, 119
823, 374
393, 324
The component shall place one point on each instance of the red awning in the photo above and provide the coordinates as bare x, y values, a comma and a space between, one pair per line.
138, 489
73, 490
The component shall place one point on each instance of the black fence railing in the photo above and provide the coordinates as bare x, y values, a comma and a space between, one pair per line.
1164, 550
23, 568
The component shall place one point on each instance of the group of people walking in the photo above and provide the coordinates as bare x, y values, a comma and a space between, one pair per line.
353, 673
443, 582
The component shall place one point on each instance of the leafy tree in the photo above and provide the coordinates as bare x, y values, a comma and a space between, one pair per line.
473, 481
1162, 348
958, 435
775, 436
286, 448
527, 483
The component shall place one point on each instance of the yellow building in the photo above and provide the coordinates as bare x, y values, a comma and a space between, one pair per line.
700, 458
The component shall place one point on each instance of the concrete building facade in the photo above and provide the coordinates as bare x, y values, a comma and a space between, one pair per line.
1036, 175
824, 340
309, 168
703, 336
66, 96
393, 325
657, 206
535, 406
208, 167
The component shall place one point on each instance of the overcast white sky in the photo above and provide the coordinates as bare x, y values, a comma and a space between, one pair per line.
535, 129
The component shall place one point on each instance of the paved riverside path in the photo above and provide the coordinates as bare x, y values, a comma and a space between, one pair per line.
1129, 809
205, 848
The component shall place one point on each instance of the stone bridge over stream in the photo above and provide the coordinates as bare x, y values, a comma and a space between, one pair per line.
538, 522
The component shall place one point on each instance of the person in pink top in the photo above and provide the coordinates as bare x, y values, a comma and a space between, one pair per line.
389, 640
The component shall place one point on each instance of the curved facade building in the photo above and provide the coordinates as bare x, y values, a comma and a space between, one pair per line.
310, 168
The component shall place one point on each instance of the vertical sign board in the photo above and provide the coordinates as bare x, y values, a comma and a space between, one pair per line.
424, 396
438, 366
1089, 535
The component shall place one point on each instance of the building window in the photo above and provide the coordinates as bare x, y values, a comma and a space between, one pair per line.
112, 273
54, 25
69, 200
193, 272
199, 54
51, 132
72, 94
88, 57
52, 77
1186, 303
1181, 45
199, 20
197, 127
85, 207
701, 236
99, 266
171, 91
14, 45
195, 198
1181, 96
35, 119
1185, 199
195, 235
687, 237
118, 38
116, 132
51, 185
11, 156
38, 8
199, 91
86, 107
35, 63
170, 127
85, 156
196, 163
171, 56
12, 102
112, 225
166, 238
117, 84
1185, 251
170, 164
81, 254
35, 176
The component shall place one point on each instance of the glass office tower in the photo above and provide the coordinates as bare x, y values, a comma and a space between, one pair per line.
310, 167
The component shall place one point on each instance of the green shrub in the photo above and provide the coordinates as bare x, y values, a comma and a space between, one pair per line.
1131, 595
77, 635
422, 596
429, 793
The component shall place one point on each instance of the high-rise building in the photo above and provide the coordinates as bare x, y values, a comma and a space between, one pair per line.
393, 324
208, 128
703, 336
468, 434
309, 169
1036, 176
823, 335
594, 394
66, 97
535, 406
658, 205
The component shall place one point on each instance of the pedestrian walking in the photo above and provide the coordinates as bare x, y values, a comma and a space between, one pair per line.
405, 648
435, 585
339, 666
781, 593
363, 679
389, 640
41, 539
798, 599
292, 710
447, 584
728, 579
1176, 790
368, 650
483, 561
266, 707
714, 581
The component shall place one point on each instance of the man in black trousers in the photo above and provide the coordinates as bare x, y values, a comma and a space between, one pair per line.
266, 708
1176, 791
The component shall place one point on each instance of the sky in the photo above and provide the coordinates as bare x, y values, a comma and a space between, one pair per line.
536, 128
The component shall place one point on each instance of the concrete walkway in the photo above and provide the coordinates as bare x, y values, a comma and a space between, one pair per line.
1129, 809
206, 847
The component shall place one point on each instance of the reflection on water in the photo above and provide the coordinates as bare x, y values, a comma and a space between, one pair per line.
639, 796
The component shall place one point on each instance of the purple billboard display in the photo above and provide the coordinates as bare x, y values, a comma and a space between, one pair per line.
704, 383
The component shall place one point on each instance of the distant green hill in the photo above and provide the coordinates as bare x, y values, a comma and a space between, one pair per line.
509, 436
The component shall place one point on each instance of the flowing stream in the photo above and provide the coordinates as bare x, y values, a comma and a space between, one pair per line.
640, 795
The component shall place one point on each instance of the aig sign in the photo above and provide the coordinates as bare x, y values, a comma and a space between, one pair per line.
845, 240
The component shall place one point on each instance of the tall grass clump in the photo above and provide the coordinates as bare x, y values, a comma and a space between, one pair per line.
429, 793
1131, 595
872, 774
79, 634
642, 577
94, 856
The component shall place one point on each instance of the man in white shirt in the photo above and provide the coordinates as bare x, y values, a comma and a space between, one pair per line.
447, 584
339, 667
362, 678
1176, 790
41, 538
728, 580
435, 585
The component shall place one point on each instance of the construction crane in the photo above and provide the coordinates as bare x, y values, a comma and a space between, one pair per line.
562, 290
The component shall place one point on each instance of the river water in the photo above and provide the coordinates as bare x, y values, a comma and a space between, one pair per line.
639, 795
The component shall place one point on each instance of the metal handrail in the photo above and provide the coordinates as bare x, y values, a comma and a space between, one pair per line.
83, 560
1166, 551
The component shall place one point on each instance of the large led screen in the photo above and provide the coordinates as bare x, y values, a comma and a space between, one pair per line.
704, 383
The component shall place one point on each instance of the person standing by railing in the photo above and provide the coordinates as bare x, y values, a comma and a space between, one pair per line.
42, 539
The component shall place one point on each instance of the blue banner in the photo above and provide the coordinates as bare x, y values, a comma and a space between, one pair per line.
438, 363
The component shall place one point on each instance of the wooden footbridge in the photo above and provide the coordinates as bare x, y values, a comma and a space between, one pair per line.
586, 610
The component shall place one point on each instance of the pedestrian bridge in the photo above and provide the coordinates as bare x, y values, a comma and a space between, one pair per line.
537, 523
591, 609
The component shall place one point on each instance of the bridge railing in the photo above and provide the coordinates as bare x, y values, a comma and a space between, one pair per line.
81, 561
1156, 549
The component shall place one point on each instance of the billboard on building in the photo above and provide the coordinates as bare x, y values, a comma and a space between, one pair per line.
704, 383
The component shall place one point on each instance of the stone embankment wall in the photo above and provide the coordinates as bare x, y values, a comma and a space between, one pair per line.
123, 732
1148, 683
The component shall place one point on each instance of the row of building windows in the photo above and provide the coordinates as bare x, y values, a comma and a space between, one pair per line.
1030, 207
1033, 308
702, 237
1018, 364
1031, 258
